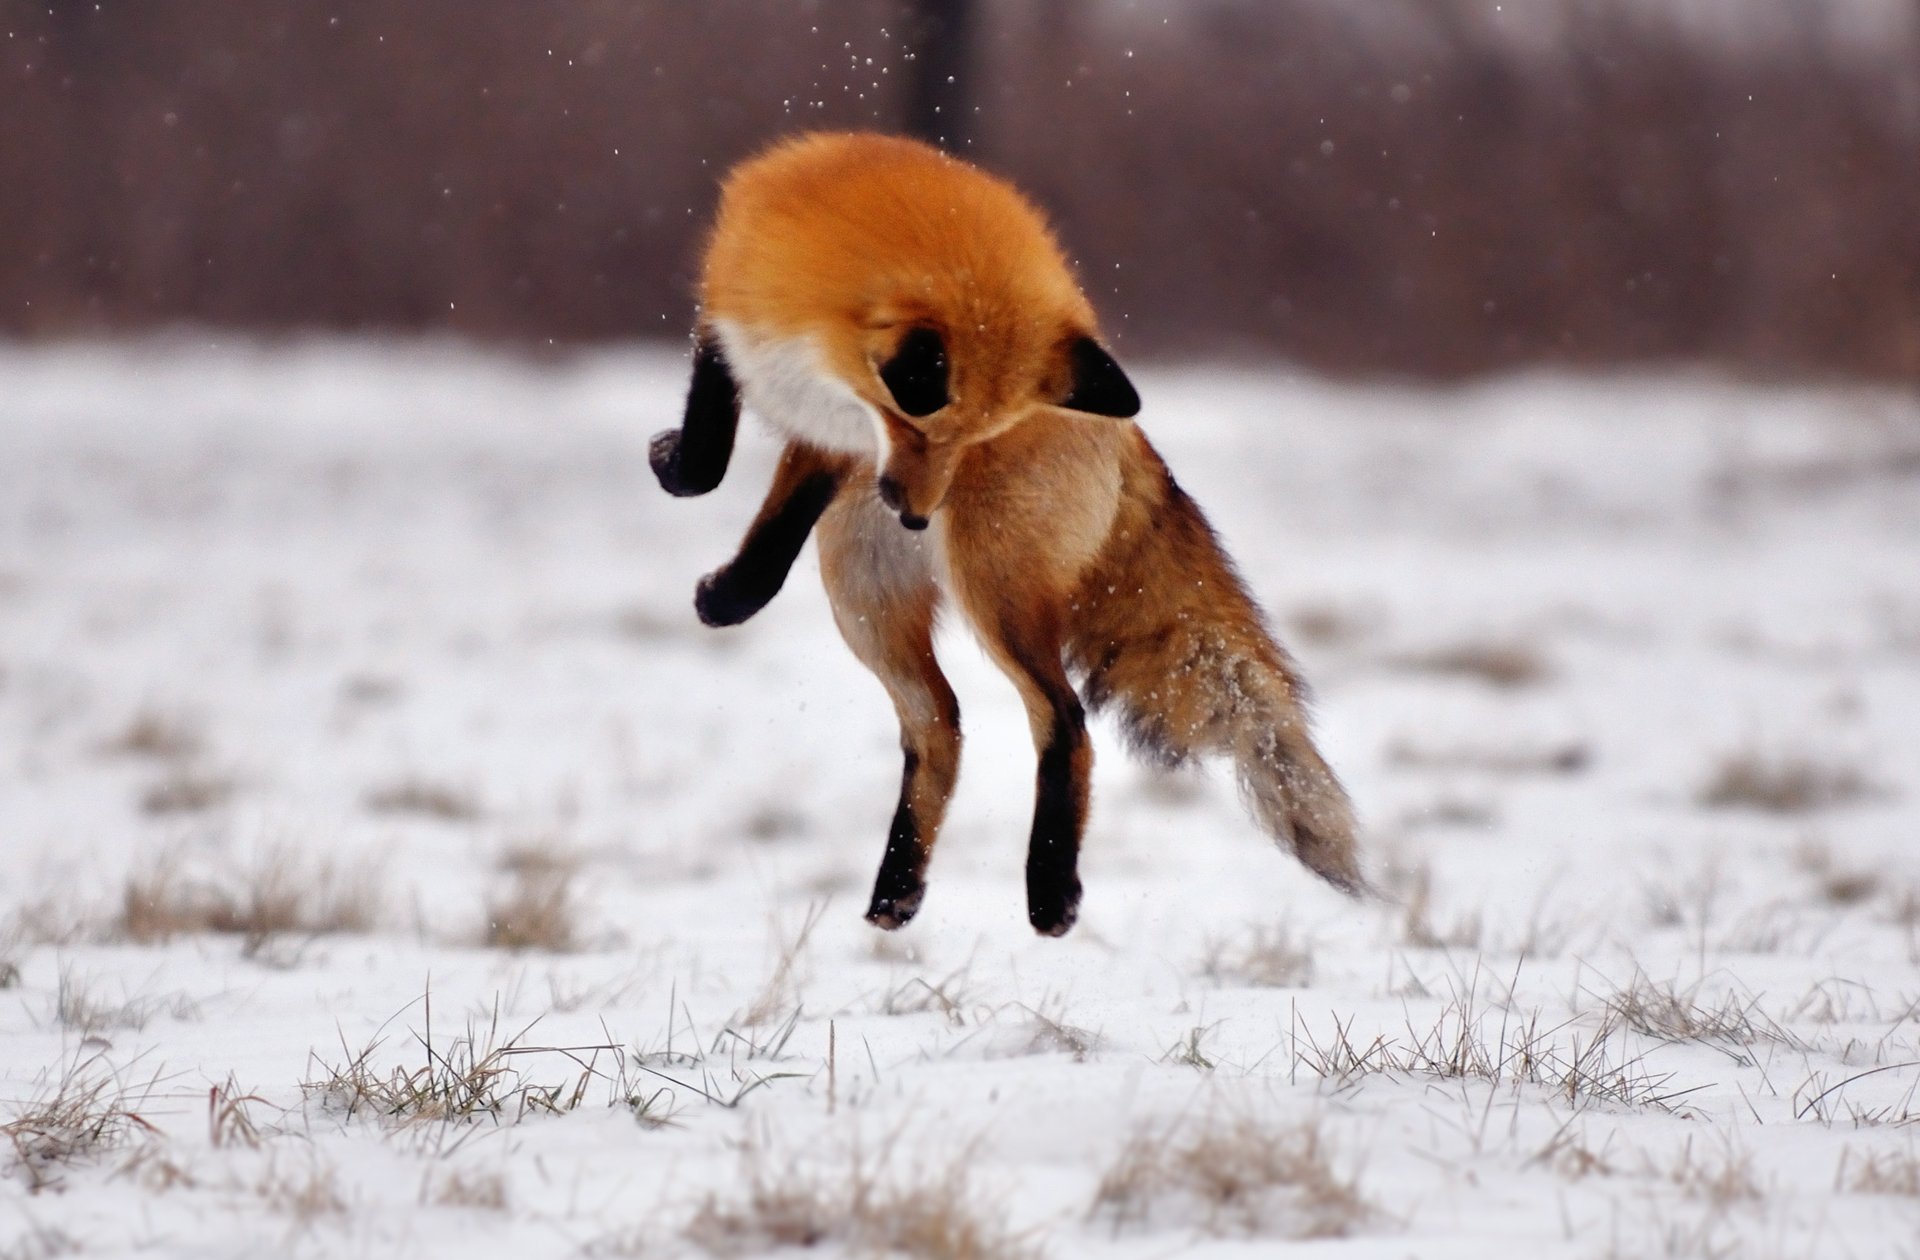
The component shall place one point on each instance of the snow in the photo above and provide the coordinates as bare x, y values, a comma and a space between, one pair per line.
407, 618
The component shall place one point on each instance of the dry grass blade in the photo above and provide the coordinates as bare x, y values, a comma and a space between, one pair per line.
1233, 1176
917, 995
780, 994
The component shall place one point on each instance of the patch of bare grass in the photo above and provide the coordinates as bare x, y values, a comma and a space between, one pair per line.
1828, 1101
1838, 884
536, 910
1233, 1175
1326, 624
307, 1193
1783, 783
471, 1076
1505, 664
917, 995
1879, 1172
1670, 1013
1420, 929
89, 1111
1191, 1050
41, 1241
858, 1207
1515, 1050
424, 798
1049, 1033
1453, 811
470, 1188
1267, 957
187, 789
159, 735
1567, 758
1721, 1177
78, 1007
279, 896
780, 993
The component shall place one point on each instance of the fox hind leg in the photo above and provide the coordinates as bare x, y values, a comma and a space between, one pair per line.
1028, 650
880, 583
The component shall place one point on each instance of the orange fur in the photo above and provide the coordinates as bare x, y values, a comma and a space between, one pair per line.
1058, 533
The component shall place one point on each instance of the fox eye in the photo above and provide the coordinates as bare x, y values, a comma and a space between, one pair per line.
916, 375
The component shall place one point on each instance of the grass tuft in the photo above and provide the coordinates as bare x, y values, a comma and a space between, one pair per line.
1502, 1047
536, 910
1235, 1176
88, 1112
480, 1191
1264, 958
1879, 1172
158, 735
1783, 784
187, 789
75, 1006
1507, 664
424, 798
473, 1076
857, 1209
279, 896
1673, 1014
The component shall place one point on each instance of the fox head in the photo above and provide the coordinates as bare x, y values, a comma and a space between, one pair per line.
876, 296
939, 394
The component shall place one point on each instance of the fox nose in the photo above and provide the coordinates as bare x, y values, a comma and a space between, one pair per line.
894, 495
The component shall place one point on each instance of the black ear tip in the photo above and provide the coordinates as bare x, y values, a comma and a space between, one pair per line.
1099, 386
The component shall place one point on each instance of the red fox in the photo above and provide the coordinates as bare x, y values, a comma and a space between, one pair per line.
957, 431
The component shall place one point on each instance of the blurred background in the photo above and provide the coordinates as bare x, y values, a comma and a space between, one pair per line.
1419, 188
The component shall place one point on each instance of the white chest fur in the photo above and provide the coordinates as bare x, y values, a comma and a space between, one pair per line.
785, 382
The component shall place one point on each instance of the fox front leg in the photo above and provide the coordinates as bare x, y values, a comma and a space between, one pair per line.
693, 458
804, 486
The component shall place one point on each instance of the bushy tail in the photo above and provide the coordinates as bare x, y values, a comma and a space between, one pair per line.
1289, 786
1169, 637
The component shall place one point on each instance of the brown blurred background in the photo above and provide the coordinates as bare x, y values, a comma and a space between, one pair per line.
1415, 187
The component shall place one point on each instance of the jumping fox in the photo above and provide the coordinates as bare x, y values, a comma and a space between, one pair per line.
957, 431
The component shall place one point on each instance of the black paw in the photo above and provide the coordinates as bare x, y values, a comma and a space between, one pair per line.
891, 912
664, 454
1053, 910
720, 602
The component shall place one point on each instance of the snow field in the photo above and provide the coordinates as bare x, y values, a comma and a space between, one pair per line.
390, 863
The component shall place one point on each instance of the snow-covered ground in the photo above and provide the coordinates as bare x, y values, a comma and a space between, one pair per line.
330, 674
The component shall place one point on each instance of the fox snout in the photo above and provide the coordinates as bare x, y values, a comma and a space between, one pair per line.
894, 495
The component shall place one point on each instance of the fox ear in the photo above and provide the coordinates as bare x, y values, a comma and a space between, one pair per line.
916, 375
1099, 387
